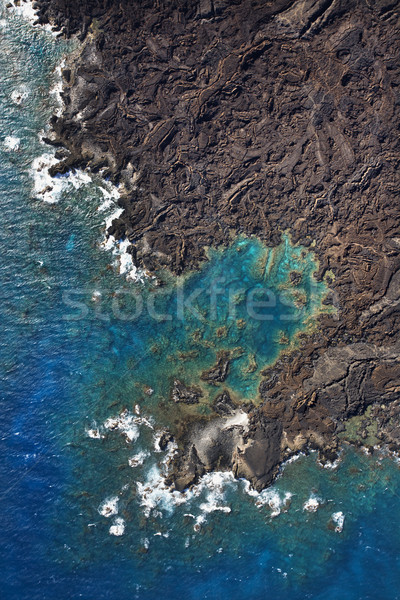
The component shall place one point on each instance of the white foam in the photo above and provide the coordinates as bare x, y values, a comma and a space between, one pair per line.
115, 215
155, 494
25, 10
160, 534
110, 192
105, 205
109, 507
94, 432
128, 424
138, 459
199, 522
57, 88
96, 296
312, 504
331, 465
118, 527
49, 189
124, 260
146, 543
20, 94
157, 440
45, 187
292, 459
216, 484
338, 520
110, 195
11, 143
124, 423
271, 498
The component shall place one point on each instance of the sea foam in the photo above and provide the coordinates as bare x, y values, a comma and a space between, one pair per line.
338, 520
128, 424
25, 10
20, 94
138, 459
109, 507
312, 504
270, 498
94, 432
49, 189
11, 143
118, 527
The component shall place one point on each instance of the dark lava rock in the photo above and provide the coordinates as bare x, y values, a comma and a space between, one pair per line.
188, 469
295, 277
181, 393
219, 371
164, 440
255, 117
223, 404
259, 461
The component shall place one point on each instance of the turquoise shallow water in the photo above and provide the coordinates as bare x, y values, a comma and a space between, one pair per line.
59, 375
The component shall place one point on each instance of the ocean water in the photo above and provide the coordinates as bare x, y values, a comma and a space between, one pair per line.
87, 359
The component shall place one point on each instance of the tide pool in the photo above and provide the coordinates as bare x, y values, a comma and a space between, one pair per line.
74, 474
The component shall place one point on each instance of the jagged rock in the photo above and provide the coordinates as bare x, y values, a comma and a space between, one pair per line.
164, 440
258, 461
219, 372
223, 404
255, 117
295, 277
188, 469
181, 393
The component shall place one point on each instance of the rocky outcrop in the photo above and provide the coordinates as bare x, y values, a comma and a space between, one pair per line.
182, 393
219, 372
259, 458
223, 404
220, 117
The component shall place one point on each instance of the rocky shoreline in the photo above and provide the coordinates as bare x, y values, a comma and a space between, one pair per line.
219, 118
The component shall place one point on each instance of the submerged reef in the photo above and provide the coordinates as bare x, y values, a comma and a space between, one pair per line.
254, 118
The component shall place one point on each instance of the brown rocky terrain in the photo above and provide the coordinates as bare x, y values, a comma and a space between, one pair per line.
222, 117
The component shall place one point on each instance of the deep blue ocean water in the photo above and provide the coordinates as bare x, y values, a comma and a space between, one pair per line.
67, 369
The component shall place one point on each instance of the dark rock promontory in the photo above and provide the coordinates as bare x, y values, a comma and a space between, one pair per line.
237, 116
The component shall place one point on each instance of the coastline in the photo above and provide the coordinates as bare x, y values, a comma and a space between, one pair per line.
352, 357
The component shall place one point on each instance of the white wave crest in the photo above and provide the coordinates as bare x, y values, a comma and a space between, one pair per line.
138, 459
118, 527
20, 94
94, 432
215, 484
271, 498
154, 493
49, 189
124, 260
128, 424
57, 88
11, 143
312, 504
109, 507
331, 465
26, 11
110, 195
338, 520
